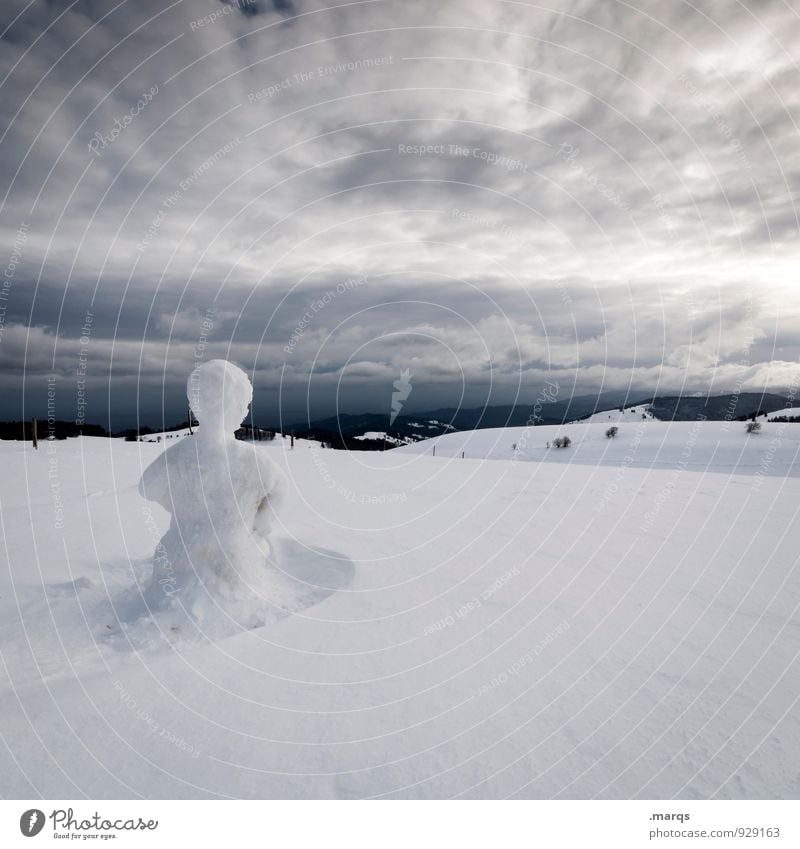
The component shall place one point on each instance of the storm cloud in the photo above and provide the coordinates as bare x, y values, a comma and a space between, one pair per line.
489, 195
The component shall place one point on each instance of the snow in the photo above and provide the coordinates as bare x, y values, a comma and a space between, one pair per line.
383, 436
640, 411
167, 435
577, 627
788, 412
708, 446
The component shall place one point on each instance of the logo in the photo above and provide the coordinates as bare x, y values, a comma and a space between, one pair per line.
31, 822
402, 389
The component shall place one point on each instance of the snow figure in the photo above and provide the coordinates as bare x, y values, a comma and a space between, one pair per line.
222, 494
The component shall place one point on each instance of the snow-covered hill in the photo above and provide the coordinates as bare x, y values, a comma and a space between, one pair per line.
166, 435
627, 414
382, 436
717, 447
789, 412
478, 629
169, 437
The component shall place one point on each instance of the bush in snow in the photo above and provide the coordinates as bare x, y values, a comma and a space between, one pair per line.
612, 432
753, 427
562, 442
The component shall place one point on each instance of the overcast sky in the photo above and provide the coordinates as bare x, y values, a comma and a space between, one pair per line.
488, 194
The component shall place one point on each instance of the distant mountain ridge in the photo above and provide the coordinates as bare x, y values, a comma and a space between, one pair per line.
688, 408
347, 430
422, 425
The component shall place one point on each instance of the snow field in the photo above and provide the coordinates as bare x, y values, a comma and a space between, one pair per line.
577, 627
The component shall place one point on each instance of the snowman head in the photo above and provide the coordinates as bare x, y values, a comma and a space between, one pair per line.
219, 394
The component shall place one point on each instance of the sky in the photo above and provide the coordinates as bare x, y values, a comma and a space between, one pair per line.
488, 197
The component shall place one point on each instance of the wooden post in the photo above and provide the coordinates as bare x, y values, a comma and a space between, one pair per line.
292, 439
462, 455
434, 450
190, 422
35, 434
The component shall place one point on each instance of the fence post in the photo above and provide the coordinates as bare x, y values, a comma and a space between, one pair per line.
35, 434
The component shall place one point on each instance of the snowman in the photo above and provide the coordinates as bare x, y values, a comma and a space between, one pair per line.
222, 494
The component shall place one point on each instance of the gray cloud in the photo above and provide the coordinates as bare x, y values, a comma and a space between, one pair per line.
600, 193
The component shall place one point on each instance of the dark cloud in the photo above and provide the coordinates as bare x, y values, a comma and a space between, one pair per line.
598, 192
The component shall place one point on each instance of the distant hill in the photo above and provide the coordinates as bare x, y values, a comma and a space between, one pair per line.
366, 432
348, 431
342, 430
519, 415
683, 408
56, 429
373, 431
